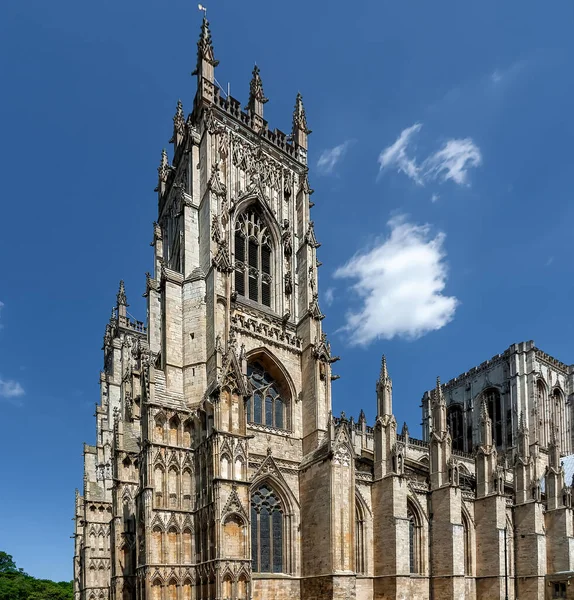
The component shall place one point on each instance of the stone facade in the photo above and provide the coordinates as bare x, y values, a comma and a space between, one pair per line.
219, 470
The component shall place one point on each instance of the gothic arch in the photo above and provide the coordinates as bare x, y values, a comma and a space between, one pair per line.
469, 541
416, 537
235, 535
257, 249
275, 409
362, 514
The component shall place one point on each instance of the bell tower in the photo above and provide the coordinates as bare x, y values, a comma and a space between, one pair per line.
236, 342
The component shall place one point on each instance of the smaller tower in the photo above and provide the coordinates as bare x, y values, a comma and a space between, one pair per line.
122, 305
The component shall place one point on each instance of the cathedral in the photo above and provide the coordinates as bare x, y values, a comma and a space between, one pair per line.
219, 470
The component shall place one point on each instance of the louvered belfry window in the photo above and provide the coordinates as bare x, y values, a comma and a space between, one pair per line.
253, 258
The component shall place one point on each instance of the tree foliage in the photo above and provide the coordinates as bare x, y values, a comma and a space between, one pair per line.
17, 585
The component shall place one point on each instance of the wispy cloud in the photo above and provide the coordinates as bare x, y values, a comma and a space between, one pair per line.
400, 284
451, 162
396, 154
10, 389
435, 198
329, 296
330, 157
549, 261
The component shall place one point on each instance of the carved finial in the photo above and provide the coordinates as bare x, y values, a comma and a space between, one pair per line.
362, 417
299, 116
405, 430
343, 416
205, 46
113, 315
178, 124
256, 96
121, 296
438, 390
163, 168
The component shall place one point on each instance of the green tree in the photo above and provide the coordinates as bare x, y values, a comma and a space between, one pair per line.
17, 585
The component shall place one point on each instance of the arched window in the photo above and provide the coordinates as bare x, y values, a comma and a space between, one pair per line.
253, 258
467, 545
157, 545
186, 485
558, 420
492, 397
543, 416
415, 540
158, 479
172, 484
266, 531
156, 590
267, 406
359, 538
455, 425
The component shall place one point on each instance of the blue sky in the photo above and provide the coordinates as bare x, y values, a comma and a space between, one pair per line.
441, 157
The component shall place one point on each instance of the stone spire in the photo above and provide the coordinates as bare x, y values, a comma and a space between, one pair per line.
121, 301
256, 95
300, 130
178, 125
523, 441
384, 391
554, 448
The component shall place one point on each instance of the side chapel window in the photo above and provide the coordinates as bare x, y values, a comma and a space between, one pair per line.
266, 406
266, 531
253, 258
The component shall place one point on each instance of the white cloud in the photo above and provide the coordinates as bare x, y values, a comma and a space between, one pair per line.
400, 283
330, 157
435, 198
452, 161
10, 389
329, 296
396, 154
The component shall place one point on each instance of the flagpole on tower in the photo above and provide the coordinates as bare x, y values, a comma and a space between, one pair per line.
204, 9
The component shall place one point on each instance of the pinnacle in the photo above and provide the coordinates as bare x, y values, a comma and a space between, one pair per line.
256, 89
299, 116
205, 46
121, 296
484, 410
384, 376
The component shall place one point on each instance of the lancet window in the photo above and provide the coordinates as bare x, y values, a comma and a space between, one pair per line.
267, 406
492, 397
455, 423
266, 531
414, 540
253, 255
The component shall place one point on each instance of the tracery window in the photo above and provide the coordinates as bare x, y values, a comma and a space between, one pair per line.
415, 541
266, 531
253, 258
492, 398
467, 546
455, 425
267, 406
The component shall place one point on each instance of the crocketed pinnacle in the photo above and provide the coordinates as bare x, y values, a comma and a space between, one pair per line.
256, 88
299, 117
484, 410
384, 375
205, 45
121, 296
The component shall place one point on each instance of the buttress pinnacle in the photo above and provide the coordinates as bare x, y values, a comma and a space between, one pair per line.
121, 296
205, 46
256, 95
384, 375
299, 116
